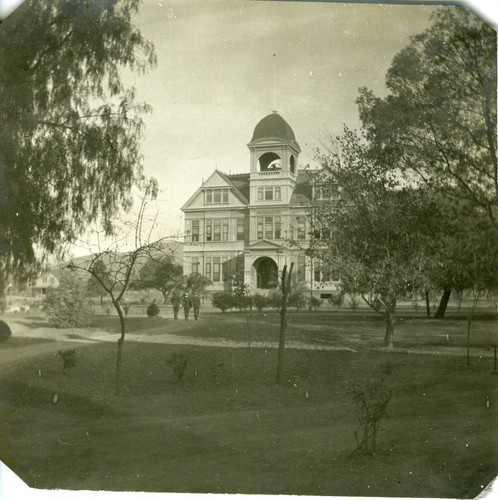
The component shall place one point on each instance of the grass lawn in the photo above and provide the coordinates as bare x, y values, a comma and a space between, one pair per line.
228, 428
358, 330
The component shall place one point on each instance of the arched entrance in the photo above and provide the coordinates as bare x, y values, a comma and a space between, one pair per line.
266, 273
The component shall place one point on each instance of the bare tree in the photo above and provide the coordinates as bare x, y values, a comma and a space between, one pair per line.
286, 282
117, 277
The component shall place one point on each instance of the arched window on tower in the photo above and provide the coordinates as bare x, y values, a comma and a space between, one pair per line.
293, 165
269, 162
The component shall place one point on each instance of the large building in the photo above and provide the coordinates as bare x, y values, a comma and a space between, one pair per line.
248, 226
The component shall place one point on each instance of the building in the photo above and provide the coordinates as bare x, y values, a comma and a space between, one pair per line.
42, 283
248, 226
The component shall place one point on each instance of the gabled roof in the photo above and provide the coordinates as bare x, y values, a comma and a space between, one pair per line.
239, 184
264, 244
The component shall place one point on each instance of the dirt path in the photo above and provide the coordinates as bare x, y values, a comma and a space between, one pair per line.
160, 335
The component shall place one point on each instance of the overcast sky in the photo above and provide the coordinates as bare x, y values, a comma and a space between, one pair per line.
214, 79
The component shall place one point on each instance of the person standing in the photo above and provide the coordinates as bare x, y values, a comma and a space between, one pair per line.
196, 301
187, 304
175, 302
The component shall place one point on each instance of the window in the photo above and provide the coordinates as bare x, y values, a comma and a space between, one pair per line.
195, 265
195, 229
278, 228
240, 229
225, 269
225, 230
216, 196
208, 268
301, 228
260, 228
322, 271
269, 193
301, 267
269, 228
217, 230
209, 229
216, 269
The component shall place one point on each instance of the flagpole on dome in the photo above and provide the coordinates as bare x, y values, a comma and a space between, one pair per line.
274, 83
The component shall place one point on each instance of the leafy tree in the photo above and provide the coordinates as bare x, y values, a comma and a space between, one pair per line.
71, 130
68, 306
374, 228
439, 121
159, 273
438, 124
194, 283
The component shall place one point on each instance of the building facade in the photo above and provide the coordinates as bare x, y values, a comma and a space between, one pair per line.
248, 226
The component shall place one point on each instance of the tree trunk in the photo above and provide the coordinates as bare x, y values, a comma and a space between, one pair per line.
470, 317
283, 322
122, 322
427, 303
441, 310
3, 292
390, 320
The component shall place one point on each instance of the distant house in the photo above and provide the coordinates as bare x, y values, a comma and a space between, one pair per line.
43, 282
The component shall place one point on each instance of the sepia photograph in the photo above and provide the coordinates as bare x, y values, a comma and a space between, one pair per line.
248, 247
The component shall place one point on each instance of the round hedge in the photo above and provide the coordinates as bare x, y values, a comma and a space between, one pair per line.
5, 331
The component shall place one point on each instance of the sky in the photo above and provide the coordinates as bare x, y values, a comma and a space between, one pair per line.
215, 79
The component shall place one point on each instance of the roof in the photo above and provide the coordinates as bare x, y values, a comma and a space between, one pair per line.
303, 191
273, 127
241, 182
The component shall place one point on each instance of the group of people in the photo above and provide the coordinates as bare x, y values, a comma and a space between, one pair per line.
187, 303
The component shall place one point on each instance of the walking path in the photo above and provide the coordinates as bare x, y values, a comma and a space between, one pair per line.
160, 335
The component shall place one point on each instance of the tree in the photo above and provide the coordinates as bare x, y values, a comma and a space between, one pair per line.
194, 283
71, 130
374, 227
286, 281
121, 266
68, 306
160, 273
94, 286
439, 121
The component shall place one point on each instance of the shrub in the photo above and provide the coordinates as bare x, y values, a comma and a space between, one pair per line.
152, 309
275, 299
223, 301
260, 301
337, 299
68, 305
68, 358
370, 400
297, 299
315, 303
354, 301
5, 331
179, 361
242, 302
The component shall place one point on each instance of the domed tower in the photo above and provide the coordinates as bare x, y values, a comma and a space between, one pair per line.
274, 159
